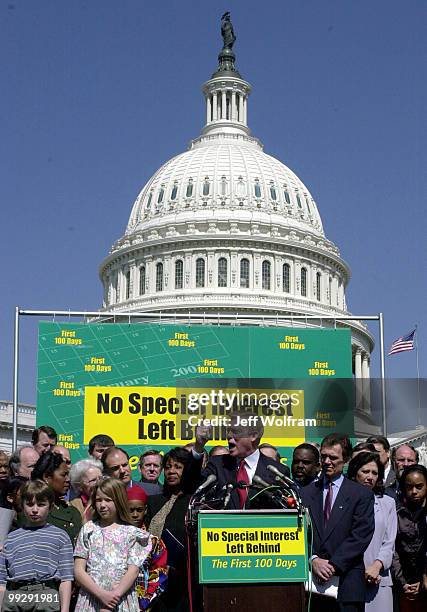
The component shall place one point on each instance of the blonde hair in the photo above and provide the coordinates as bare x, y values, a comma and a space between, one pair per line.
115, 490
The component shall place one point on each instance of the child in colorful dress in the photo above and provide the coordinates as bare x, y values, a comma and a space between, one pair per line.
152, 580
109, 553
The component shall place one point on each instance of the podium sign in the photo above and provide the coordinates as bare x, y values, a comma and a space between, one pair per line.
251, 546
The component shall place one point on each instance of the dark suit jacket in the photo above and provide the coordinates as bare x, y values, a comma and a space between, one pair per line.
174, 537
393, 491
175, 520
346, 536
225, 469
391, 478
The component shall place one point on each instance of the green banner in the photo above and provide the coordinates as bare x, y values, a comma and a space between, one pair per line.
252, 547
149, 385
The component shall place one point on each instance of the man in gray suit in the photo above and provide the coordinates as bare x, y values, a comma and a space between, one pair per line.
382, 446
401, 456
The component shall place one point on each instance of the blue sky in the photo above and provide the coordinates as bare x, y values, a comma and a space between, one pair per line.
97, 94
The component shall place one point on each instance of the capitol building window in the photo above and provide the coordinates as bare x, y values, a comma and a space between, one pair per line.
318, 285
159, 277
189, 191
179, 274
142, 280
304, 282
200, 272
286, 278
266, 275
244, 273
222, 272
174, 191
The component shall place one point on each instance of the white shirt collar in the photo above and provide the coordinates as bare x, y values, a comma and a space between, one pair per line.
336, 482
252, 460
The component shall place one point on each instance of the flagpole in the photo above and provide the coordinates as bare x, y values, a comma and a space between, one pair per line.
382, 365
418, 378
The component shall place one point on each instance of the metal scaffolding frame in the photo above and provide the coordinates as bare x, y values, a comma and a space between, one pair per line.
188, 318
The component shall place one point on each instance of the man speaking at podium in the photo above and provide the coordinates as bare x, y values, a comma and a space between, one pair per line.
244, 471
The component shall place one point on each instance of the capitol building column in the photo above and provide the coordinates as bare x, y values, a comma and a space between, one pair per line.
358, 379
150, 276
211, 266
366, 386
234, 271
223, 104
241, 109
187, 271
167, 274
215, 106
208, 109
117, 295
233, 106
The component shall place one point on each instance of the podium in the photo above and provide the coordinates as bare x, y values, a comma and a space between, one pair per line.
252, 558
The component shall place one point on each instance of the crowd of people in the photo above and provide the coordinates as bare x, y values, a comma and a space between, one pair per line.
93, 535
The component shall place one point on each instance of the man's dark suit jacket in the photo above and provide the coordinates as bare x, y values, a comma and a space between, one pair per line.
391, 478
346, 535
391, 484
225, 469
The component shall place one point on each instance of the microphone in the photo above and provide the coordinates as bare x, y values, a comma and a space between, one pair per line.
287, 481
228, 488
259, 481
273, 492
285, 489
208, 482
278, 473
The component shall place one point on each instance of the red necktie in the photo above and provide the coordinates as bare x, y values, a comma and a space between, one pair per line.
328, 505
242, 476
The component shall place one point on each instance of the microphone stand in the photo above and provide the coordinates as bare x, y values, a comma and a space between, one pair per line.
270, 494
294, 493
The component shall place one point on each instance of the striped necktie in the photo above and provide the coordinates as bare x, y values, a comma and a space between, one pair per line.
327, 509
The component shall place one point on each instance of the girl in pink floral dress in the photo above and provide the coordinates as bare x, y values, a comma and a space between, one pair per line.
109, 553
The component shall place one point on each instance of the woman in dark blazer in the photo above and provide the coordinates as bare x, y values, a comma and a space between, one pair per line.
166, 519
52, 468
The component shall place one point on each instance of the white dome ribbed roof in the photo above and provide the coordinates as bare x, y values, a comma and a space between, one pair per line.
230, 173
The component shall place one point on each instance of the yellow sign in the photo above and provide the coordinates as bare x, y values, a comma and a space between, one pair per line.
252, 541
169, 415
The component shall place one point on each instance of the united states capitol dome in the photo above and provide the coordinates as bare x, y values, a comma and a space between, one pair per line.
226, 178
226, 228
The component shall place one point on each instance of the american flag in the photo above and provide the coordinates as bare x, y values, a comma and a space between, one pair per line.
404, 343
